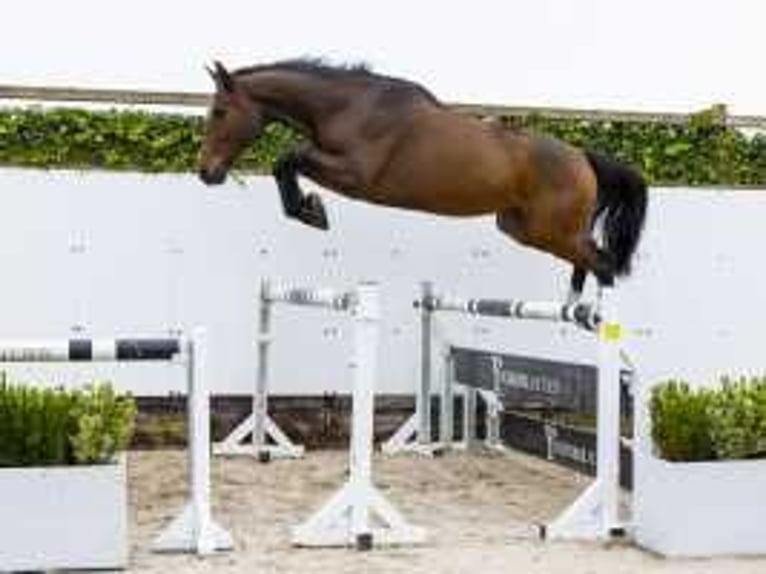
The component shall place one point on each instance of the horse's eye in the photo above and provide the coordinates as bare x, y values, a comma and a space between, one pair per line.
219, 113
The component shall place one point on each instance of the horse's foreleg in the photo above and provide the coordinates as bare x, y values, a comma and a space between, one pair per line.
304, 207
333, 171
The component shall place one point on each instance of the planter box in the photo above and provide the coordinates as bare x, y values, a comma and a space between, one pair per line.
702, 508
63, 517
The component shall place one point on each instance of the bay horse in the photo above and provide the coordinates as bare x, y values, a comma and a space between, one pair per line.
389, 141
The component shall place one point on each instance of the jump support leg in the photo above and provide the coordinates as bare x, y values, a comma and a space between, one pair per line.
594, 515
194, 529
267, 440
347, 519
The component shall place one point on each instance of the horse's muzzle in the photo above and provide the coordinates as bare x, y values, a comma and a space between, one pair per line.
212, 176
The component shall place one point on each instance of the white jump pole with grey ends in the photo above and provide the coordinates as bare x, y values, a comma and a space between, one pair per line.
358, 514
259, 426
584, 315
194, 530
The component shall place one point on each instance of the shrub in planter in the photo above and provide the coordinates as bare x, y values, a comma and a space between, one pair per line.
714, 507
680, 423
737, 414
727, 422
63, 489
55, 427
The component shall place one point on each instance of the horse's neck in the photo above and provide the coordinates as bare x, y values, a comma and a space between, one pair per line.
297, 99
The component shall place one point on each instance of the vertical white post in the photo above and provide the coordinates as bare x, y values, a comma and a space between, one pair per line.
366, 331
447, 434
608, 410
415, 434
423, 405
358, 513
469, 417
193, 530
595, 514
494, 410
261, 396
198, 411
258, 425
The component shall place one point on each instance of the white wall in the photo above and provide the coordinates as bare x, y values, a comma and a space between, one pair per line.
650, 54
123, 254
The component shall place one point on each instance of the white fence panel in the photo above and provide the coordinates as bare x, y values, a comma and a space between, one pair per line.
110, 254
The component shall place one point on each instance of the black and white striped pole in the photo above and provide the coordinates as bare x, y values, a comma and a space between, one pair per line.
88, 350
194, 530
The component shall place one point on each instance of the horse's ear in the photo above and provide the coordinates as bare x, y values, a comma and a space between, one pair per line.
223, 78
211, 71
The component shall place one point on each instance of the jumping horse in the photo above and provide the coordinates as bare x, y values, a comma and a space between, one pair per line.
389, 141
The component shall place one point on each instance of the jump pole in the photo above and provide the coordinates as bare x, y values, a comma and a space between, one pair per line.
194, 530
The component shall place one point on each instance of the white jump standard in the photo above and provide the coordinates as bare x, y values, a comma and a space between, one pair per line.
357, 514
194, 530
259, 426
594, 515
416, 433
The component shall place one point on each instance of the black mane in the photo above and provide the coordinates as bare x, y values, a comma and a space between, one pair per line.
321, 68
313, 66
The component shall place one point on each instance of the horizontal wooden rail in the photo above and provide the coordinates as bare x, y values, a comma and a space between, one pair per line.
104, 96
200, 99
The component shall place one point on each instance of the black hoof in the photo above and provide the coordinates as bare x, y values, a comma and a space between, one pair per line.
313, 212
542, 531
364, 542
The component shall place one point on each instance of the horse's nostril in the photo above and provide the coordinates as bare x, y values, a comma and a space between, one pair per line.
212, 176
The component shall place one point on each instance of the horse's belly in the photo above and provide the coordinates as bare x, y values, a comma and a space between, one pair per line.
477, 198
460, 169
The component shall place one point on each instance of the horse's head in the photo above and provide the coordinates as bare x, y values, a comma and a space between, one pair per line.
233, 122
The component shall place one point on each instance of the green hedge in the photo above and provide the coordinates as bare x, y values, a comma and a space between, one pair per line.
702, 152
725, 422
53, 426
116, 140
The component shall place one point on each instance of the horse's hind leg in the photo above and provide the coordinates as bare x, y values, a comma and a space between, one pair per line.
579, 249
576, 283
304, 207
597, 261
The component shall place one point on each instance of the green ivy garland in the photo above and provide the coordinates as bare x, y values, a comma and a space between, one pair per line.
702, 152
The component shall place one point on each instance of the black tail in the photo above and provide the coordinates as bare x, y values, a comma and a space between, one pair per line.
622, 200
